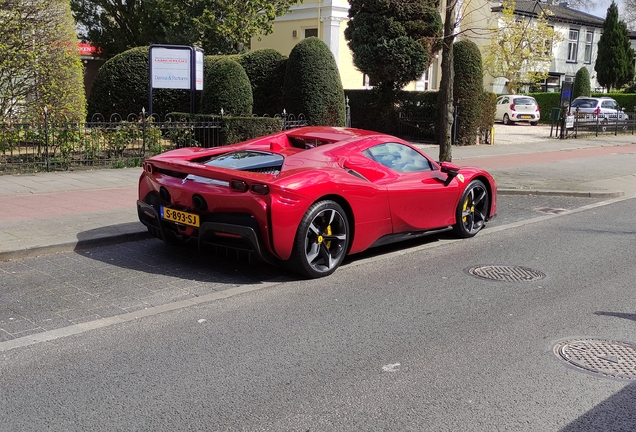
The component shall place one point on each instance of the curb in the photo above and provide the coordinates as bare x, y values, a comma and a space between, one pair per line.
74, 246
565, 193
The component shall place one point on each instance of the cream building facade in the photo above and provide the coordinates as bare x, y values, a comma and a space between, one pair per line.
475, 21
327, 20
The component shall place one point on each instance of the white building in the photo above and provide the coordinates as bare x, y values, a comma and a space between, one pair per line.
580, 33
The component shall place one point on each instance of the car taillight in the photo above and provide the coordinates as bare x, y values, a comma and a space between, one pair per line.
260, 189
148, 167
538, 107
512, 107
239, 186
597, 110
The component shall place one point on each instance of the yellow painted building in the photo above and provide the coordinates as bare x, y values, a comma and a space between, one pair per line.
327, 19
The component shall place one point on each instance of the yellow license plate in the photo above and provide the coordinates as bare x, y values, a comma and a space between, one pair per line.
179, 216
525, 116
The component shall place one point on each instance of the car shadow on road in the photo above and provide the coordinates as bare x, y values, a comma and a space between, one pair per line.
125, 250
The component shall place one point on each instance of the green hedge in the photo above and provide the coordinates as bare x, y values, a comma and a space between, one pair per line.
237, 129
468, 89
233, 129
121, 87
547, 101
312, 84
266, 70
226, 86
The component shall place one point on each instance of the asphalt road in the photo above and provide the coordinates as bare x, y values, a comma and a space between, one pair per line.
405, 339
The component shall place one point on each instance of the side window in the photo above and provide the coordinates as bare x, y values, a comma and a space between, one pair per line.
504, 101
398, 157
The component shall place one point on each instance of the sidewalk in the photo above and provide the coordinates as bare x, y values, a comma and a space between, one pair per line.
58, 212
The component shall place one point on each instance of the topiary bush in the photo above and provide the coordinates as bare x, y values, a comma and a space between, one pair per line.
226, 86
547, 101
121, 87
488, 104
467, 90
266, 70
312, 84
581, 85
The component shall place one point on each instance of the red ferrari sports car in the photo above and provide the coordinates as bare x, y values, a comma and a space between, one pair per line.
306, 197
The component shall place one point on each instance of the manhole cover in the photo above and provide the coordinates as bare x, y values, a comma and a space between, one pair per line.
608, 358
550, 210
506, 273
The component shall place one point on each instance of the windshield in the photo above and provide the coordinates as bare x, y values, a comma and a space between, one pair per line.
584, 103
525, 101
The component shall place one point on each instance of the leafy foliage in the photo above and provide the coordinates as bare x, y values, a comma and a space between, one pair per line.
520, 48
217, 26
226, 86
615, 61
312, 84
266, 70
121, 87
42, 69
467, 89
582, 86
393, 40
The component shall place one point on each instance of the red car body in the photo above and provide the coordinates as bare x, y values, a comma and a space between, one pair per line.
255, 196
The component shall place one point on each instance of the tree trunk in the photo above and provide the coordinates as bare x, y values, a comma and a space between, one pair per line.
445, 101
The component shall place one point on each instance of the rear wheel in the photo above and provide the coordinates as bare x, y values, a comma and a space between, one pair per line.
534, 123
472, 210
321, 240
506, 119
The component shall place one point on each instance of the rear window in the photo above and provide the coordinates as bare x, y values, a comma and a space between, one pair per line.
524, 101
584, 103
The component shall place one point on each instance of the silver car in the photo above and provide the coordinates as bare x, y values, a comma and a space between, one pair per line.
603, 109
516, 108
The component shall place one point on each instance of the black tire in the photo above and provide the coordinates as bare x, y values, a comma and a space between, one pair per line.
472, 210
321, 241
534, 123
506, 119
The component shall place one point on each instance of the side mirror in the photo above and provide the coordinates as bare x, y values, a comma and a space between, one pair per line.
451, 170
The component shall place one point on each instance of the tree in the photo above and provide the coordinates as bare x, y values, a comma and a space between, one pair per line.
312, 84
217, 26
227, 88
468, 89
445, 95
39, 61
581, 85
615, 61
520, 49
392, 40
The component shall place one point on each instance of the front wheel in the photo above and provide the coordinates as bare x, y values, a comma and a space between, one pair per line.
321, 240
472, 210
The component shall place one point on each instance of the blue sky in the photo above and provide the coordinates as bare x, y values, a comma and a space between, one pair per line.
600, 7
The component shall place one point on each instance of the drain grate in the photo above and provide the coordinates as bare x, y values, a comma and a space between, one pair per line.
607, 358
550, 210
506, 273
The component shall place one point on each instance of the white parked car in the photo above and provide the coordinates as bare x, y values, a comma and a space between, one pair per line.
516, 108
605, 109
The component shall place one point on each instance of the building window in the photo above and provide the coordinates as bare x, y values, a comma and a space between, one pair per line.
589, 38
311, 32
573, 45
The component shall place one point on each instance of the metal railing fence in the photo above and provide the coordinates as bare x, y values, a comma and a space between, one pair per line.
55, 145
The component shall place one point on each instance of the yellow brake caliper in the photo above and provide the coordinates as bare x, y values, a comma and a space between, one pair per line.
328, 233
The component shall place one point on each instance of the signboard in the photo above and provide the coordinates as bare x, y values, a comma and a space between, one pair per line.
176, 67
569, 122
170, 67
199, 69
